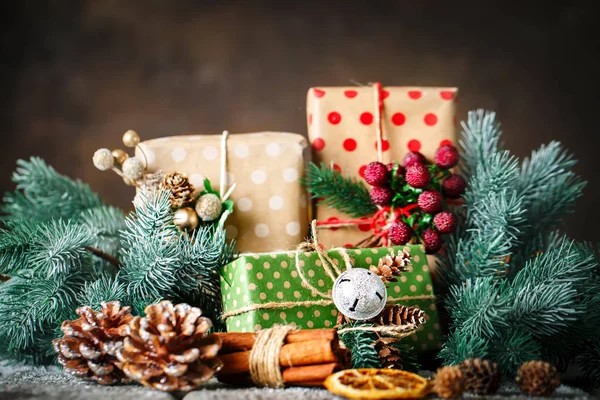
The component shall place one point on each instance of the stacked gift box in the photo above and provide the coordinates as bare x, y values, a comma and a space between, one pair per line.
348, 127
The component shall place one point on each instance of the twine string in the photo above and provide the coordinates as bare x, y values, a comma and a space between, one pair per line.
223, 176
276, 305
378, 117
265, 370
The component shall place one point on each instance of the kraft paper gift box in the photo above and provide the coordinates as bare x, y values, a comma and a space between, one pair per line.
270, 204
260, 290
342, 128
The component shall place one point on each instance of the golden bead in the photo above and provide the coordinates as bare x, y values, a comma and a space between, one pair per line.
128, 181
120, 156
186, 219
131, 138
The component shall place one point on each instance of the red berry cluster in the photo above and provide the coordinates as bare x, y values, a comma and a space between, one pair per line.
426, 185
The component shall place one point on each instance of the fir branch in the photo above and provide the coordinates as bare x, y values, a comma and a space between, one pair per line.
480, 140
31, 308
104, 256
513, 348
360, 343
106, 288
43, 194
149, 254
345, 194
459, 347
49, 248
479, 307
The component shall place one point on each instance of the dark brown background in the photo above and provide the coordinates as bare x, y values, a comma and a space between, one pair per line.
77, 74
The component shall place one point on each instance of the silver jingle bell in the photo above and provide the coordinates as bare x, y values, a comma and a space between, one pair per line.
359, 294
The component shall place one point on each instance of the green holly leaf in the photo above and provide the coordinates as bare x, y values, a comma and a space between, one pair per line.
208, 188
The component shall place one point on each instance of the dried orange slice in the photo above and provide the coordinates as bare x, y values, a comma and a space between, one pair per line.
377, 384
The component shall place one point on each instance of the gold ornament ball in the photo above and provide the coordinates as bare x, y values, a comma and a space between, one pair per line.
120, 156
131, 138
186, 219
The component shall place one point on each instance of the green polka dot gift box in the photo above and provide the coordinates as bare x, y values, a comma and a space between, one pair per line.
293, 288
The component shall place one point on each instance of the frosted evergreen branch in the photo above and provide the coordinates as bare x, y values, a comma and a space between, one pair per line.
106, 288
43, 194
480, 140
31, 308
344, 194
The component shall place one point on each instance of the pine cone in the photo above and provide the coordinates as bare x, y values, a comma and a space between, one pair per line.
180, 187
400, 315
89, 345
538, 378
389, 355
481, 376
148, 188
391, 266
449, 382
169, 349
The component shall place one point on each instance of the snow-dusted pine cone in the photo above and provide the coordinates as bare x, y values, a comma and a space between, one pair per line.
391, 266
89, 345
481, 376
169, 349
538, 378
180, 187
400, 315
449, 382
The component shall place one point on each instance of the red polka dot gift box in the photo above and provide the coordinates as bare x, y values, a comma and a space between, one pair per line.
349, 127
270, 204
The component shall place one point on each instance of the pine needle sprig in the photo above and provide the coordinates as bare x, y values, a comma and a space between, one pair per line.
514, 347
360, 343
480, 140
149, 254
106, 288
49, 248
459, 347
44, 194
31, 308
479, 307
344, 194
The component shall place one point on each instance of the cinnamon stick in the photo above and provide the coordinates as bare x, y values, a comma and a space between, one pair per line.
293, 354
309, 375
243, 341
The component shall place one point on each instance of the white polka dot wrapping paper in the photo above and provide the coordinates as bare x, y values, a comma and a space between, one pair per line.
270, 204
342, 128
260, 290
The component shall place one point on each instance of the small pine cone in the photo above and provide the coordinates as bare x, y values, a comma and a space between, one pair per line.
148, 188
89, 345
389, 355
180, 187
481, 376
400, 315
392, 265
169, 348
538, 378
449, 382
